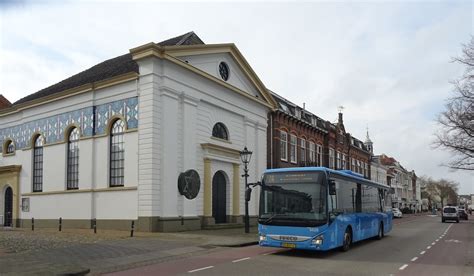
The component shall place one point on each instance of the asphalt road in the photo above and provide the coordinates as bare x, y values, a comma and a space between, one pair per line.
416, 246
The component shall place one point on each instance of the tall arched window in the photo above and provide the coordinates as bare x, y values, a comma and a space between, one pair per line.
117, 152
38, 163
220, 131
73, 159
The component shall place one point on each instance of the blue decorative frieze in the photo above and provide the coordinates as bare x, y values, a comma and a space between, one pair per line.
88, 119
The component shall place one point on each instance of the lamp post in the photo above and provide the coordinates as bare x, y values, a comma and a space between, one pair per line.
245, 155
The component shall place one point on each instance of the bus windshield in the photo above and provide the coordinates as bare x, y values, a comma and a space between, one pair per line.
293, 199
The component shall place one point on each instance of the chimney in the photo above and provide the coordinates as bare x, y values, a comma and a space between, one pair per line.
4, 103
304, 106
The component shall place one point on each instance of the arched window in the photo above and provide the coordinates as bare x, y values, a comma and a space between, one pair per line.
38, 163
73, 159
220, 131
9, 147
117, 152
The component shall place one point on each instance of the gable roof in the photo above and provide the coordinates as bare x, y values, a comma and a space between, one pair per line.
107, 69
4, 102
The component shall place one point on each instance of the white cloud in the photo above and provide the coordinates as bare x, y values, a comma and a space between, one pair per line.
387, 63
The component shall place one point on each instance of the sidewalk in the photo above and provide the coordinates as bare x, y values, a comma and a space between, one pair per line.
48, 251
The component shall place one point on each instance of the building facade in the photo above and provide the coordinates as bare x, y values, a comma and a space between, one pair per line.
152, 136
297, 137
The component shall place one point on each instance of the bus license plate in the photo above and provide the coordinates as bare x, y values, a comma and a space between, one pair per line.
288, 245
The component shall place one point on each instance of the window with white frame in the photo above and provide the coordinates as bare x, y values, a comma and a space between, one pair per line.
303, 150
331, 158
312, 152
366, 169
344, 162
319, 155
283, 146
358, 166
73, 159
117, 154
353, 167
338, 160
38, 163
293, 143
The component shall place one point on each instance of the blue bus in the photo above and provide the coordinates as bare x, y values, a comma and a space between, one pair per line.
317, 208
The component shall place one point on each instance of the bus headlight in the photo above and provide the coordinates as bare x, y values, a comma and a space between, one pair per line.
318, 240
262, 238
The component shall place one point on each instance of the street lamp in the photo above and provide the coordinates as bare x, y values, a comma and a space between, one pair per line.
245, 155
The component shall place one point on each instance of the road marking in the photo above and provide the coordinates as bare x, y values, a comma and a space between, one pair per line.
433, 243
437, 240
268, 253
403, 267
239, 260
428, 247
422, 252
414, 259
199, 269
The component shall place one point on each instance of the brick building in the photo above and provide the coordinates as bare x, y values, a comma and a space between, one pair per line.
297, 137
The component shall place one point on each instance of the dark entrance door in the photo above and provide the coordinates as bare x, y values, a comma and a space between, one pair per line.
8, 207
219, 197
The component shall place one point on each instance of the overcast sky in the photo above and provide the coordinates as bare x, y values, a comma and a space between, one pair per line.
389, 64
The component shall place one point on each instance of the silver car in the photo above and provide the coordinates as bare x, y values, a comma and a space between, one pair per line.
450, 213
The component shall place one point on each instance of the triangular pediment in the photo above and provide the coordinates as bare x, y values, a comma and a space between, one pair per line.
207, 58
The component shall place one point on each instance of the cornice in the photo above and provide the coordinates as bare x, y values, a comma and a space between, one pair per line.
10, 168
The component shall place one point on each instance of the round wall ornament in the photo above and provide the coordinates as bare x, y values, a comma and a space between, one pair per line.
189, 184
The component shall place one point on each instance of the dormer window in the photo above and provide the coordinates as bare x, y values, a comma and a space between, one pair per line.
224, 71
298, 113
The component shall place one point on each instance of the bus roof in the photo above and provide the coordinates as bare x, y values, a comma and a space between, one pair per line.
343, 173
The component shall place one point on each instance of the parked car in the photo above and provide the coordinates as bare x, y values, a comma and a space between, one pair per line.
397, 213
462, 214
449, 213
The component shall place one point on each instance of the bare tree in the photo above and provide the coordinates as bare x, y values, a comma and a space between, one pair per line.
447, 190
457, 121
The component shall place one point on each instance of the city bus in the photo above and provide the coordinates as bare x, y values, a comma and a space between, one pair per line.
317, 208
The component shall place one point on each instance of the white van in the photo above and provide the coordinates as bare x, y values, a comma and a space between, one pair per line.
450, 213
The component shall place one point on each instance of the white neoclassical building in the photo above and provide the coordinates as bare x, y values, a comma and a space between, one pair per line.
151, 136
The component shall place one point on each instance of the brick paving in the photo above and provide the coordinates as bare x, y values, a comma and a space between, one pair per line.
47, 251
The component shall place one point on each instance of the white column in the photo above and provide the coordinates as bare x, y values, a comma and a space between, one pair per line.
189, 148
149, 140
169, 157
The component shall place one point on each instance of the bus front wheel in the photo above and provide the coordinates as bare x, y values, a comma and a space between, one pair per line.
347, 241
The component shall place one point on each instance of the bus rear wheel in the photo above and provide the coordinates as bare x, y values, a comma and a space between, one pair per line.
347, 241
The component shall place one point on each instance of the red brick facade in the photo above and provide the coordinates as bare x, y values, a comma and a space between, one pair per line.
297, 138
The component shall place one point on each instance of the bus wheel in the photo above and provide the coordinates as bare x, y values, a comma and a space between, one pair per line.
347, 241
380, 234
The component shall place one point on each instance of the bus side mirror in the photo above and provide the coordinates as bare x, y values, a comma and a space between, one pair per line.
332, 187
248, 192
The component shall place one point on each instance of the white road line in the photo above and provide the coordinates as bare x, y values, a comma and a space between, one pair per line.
239, 260
428, 247
403, 267
267, 253
422, 252
437, 240
199, 269
414, 259
433, 243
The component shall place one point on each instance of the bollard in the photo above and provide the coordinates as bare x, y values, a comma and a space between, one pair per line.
133, 228
32, 224
95, 226
60, 224
182, 220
